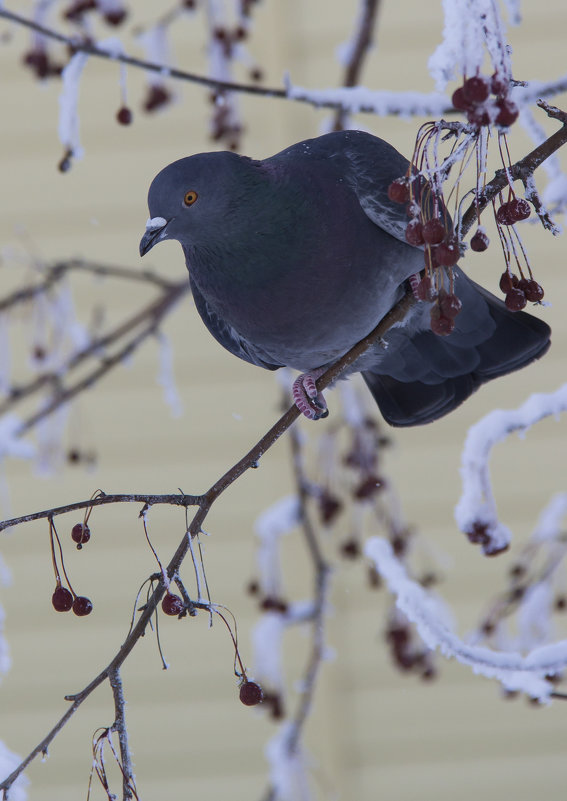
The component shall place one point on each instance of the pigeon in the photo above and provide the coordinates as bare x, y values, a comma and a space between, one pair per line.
294, 258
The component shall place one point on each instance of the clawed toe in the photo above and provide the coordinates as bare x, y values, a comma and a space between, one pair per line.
310, 402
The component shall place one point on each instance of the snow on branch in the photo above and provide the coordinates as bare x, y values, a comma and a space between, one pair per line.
514, 671
476, 513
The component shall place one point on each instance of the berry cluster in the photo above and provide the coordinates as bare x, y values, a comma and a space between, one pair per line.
441, 251
63, 598
474, 98
76, 10
519, 291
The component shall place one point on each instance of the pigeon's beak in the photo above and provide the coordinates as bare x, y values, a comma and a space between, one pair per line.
155, 231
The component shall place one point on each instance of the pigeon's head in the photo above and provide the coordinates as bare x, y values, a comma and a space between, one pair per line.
193, 199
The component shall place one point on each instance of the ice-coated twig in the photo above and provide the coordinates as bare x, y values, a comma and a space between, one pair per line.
68, 105
119, 726
515, 672
476, 513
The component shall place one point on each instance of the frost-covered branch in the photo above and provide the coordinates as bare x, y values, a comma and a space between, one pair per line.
476, 513
527, 673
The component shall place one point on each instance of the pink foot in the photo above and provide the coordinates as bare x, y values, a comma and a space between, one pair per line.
308, 400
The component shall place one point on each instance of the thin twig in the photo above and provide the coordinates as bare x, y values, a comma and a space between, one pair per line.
250, 460
120, 727
359, 50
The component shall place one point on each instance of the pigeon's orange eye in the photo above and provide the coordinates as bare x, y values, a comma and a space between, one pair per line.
190, 197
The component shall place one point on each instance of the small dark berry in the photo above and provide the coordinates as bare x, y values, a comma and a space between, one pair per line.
398, 191
479, 533
350, 549
172, 604
447, 254
508, 112
520, 208
73, 456
156, 97
433, 231
62, 599
329, 507
441, 325
273, 604
560, 603
478, 116
368, 487
476, 89
424, 289
459, 100
515, 300
251, 693
498, 85
82, 606
80, 533
414, 233
253, 587
479, 242
256, 74
533, 291
124, 115
449, 305
508, 281
115, 18
374, 578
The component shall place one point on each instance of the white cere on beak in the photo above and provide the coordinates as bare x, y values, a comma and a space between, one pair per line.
155, 222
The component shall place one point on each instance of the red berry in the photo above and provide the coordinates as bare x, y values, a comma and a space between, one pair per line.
62, 599
398, 191
80, 533
251, 693
476, 90
459, 100
172, 604
433, 231
478, 116
441, 325
479, 242
533, 291
508, 112
329, 507
82, 606
498, 85
515, 300
414, 233
115, 18
350, 549
447, 254
124, 115
449, 305
368, 487
513, 211
256, 74
157, 97
520, 208
508, 281
424, 289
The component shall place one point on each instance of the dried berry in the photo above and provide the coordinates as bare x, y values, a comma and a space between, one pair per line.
124, 115
508, 112
62, 599
350, 548
251, 693
508, 281
478, 116
424, 290
515, 300
273, 604
82, 606
414, 233
476, 89
459, 100
498, 85
479, 242
157, 97
449, 305
533, 291
329, 507
447, 254
441, 325
513, 211
172, 604
398, 191
115, 18
368, 487
433, 231
80, 533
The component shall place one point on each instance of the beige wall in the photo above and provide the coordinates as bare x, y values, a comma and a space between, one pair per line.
373, 733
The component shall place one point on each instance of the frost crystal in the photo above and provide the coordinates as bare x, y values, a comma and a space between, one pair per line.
68, 104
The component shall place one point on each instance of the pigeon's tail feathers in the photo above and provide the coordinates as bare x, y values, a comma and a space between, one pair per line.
517, 339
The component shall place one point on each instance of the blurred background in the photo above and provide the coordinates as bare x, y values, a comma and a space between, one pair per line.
373, 732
